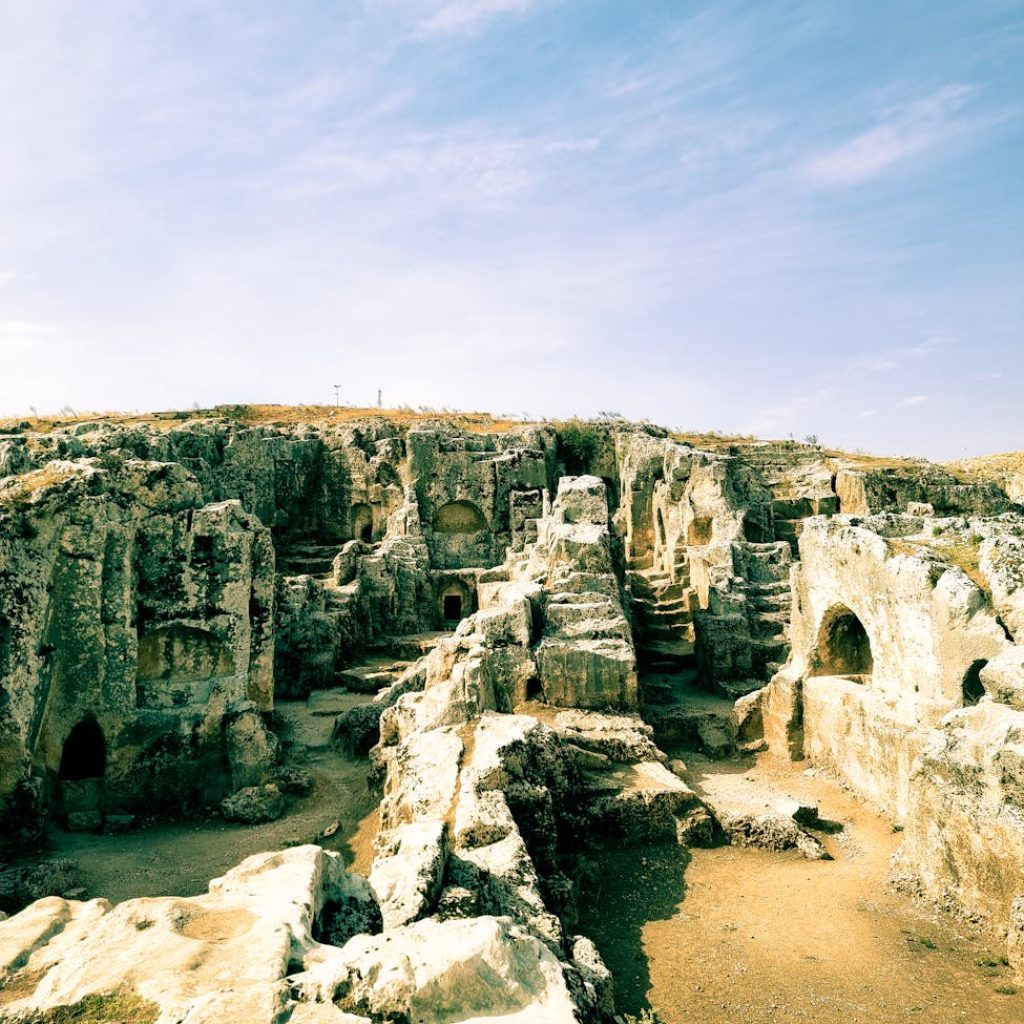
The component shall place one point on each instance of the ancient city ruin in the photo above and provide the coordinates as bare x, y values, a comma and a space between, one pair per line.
535, 646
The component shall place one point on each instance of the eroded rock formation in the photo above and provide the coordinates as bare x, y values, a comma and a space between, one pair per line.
563, 608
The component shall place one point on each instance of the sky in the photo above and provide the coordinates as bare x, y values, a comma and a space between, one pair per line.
779, 218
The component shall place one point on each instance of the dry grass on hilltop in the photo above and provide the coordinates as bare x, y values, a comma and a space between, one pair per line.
269, 415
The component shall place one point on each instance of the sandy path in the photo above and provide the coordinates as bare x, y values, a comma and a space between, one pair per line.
747, 936
180, 859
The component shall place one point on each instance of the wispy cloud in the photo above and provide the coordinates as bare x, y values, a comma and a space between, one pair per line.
461, 16
874, 364
912, 400
783, 416
936, 343
588, 145
502, 181
904, 133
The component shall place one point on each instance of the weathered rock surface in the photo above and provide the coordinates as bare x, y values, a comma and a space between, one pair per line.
159, 588
254, 804
905, 682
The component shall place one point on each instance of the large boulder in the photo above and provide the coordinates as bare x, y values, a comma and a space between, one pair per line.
254, 804
220, 958
252, 748
445, 971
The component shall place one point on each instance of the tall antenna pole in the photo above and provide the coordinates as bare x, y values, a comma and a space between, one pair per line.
337, 394
380, 398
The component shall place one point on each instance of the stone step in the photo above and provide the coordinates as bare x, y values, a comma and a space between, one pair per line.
704, 724
563, 612
659, 613
371, 678
638, 586
306, 547
768, 652
764, 627
733, 689
666, 634
412, 647
766, 588
304, 565
670, 592
761, 547
588, 597
659, 578
769, 603
338, 599
667, 655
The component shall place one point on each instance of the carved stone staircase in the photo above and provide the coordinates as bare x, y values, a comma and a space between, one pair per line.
663, 618
307, 558
769, 605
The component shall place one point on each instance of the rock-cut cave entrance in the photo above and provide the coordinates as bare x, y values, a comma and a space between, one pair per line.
362, 522
452, 607
972, 688
844, 648
84, 755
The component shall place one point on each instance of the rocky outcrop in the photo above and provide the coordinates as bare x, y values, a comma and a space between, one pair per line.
160, 587
905, 682
135, 621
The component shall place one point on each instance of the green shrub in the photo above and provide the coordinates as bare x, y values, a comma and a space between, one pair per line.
578, 445
118, 1008
643, 1017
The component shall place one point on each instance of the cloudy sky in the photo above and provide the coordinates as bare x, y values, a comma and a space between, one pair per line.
774, 217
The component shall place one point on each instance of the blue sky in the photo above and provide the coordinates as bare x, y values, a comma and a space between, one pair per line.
776, 217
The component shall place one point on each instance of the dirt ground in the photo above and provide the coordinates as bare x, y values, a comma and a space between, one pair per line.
180, 859
747, 936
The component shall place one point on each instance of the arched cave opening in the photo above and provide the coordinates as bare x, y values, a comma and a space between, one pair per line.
459, 517
362, 522
84, 755
534, 689
972, 688
451, 607
844, 647
754, 531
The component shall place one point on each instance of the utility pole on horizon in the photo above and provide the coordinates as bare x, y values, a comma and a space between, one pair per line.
337, 394
380, 398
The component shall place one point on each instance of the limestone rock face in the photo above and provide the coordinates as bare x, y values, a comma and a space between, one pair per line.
439, 970
1015, 937
964, 830
251, 749
133, 619
222, 957
586, 656
1002, 563
904, 682
1003, 677
160, 586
